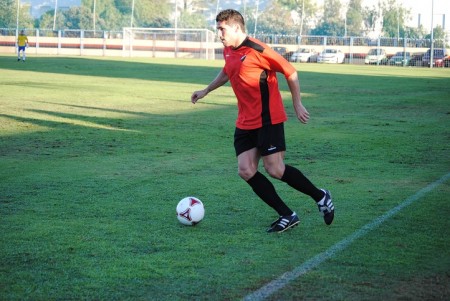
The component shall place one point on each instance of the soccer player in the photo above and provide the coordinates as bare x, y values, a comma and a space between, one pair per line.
22, 43
251, 68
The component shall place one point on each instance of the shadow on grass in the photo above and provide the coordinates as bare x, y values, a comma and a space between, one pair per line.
112, 68
358, 91
58, 132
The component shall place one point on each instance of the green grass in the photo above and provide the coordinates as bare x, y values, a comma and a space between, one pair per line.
95, 154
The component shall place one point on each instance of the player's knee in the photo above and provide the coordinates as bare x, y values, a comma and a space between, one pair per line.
274, 171
246, 173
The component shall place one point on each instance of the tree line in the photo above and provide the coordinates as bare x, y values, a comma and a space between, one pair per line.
287, 17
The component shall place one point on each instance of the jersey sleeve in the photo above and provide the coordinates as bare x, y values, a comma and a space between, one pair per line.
225, 51
277, 63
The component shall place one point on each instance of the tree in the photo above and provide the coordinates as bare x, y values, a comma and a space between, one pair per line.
8, 15
276, 19
189, 14
123, 6
190, 20
394, 16
152, 13
371, 17
438, 33
416, 32
46, 20
332, 23
77, 17
354, 17
109, 14
193, 6
305, 10
8, 11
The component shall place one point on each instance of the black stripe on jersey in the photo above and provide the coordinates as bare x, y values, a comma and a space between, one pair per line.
249, 43
265, 108
263, 84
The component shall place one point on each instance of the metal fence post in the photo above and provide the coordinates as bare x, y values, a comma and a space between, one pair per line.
378, 50
81, 41
58, 51
36, 45
104, 42
351, 51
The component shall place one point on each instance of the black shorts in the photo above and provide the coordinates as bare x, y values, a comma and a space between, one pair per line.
268, 139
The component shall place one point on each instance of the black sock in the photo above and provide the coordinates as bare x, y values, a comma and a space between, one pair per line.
295, 178
266, 191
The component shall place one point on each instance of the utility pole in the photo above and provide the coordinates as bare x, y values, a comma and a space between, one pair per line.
256, 17
93, 15
132, 14
301, 20
54, 15
432, 36
17, 18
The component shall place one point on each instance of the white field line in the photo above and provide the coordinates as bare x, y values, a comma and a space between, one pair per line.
312, 263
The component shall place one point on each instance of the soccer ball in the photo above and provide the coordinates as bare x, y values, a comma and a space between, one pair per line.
190, 211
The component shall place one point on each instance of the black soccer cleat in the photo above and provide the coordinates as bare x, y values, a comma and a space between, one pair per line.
284, 223
326, 207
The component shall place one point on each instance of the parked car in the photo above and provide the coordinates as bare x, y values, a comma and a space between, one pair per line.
283, 52
447, 62
280, 50
416, 59
376, 56
439, 55
304, 55
401, 58
330, 55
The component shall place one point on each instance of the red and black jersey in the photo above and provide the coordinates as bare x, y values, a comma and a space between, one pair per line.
251, 69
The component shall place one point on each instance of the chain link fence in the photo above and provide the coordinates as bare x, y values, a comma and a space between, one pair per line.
202, 44
360, 50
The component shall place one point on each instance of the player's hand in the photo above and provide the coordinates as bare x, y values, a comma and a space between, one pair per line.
198, 95
302, 113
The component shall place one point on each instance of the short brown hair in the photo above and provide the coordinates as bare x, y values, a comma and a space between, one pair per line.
232, 17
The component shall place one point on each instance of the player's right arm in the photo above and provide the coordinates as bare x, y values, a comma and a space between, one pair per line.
219, 81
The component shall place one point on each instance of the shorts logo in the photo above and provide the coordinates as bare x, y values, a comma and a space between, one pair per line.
271, 148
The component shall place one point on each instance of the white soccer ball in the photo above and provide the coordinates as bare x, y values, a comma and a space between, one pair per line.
190, 211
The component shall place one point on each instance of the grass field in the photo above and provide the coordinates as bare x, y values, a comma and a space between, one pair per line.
95, 153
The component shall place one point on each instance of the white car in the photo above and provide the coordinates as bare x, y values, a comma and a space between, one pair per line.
331, 56
376, 56
303, 55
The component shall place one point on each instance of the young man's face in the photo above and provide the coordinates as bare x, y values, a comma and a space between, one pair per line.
228, 34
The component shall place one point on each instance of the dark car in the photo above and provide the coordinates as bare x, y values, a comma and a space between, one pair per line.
280, 50
439, 55
416, 59
400, 59
447, 62
283, 51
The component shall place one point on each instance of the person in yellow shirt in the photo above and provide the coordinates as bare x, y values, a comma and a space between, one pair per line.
22, 43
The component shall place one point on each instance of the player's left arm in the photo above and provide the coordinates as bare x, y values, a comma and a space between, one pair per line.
294, 87
220, 80
278, 63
